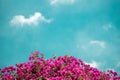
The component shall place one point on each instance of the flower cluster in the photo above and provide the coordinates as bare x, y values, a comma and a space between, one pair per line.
60, 68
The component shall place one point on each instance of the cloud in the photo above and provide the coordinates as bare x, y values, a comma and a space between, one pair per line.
107, 27
118, 64
93, 64
55, 2
102, 44
32, 20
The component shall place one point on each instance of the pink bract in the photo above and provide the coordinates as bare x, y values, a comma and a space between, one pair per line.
60, 68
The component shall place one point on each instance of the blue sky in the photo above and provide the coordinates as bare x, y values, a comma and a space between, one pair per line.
86, 29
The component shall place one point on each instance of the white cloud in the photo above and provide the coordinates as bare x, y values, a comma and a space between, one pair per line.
55, 2
107, 27
98, 43
84, 47
93, 64
32, 20
118, 64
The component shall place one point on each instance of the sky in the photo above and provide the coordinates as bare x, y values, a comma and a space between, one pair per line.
86, 29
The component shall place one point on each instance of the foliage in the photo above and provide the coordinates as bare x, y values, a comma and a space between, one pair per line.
60, 68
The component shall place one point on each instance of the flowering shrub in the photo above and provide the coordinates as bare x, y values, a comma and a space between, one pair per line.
61, 68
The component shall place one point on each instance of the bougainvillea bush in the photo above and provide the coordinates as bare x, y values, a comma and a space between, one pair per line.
60, 68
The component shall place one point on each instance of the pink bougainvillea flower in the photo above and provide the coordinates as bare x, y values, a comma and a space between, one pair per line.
61, 68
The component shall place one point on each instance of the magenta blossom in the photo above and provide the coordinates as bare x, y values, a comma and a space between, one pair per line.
60, 68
